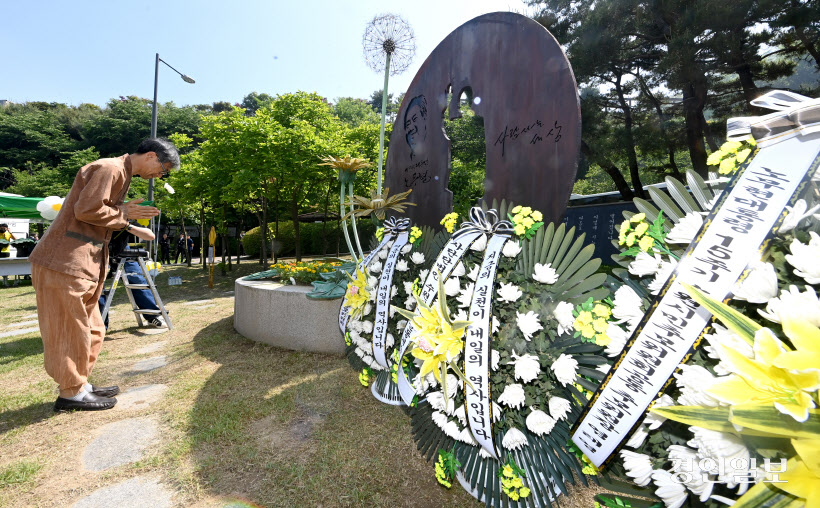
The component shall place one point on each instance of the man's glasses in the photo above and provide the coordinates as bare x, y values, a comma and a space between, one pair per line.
165, 172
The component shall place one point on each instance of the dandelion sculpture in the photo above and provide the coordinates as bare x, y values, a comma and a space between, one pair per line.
389, 44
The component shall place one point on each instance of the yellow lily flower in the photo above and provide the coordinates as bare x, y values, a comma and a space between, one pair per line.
802, 475
759, 381
357, 294
806, 338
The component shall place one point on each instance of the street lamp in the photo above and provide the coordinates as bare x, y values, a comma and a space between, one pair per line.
187, 79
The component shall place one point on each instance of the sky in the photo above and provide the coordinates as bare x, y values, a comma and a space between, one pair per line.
92, 51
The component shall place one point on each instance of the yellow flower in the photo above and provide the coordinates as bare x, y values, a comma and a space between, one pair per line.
760, 381
516, 209
802, 476
727, 166
536, 215
600, 325
602, 310
585, 317
625, 227
527, 222
520, 230
524, 492
646, 243
641, 228
715, 157
508, 470
588, 331
602, 339
357, 294
742, 155
630, 239
730, 146
638, 217
517, 483
526, 210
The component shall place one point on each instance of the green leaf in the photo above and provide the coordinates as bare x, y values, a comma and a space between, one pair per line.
769, 421
765, 494
732, 319
327, 290
712, 418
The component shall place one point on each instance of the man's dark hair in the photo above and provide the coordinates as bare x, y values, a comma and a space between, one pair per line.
165, 150
419, 101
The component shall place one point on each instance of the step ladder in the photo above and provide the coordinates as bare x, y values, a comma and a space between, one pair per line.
139, 313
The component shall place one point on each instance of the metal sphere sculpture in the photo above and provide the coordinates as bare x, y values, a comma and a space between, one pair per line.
389, 44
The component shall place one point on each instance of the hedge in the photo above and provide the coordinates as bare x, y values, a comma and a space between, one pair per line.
311, 236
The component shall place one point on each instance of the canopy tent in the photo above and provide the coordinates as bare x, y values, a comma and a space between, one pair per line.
19, 207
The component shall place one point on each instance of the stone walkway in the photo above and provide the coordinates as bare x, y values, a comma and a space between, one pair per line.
127, 441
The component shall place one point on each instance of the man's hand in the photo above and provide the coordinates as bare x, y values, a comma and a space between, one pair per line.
144, 233
134, 211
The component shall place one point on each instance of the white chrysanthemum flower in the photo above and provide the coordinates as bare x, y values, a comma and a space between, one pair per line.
564, 369
497, 412
452, 286
410, 303
451, 429
528, 324
509, 292
627, 307
392, 311
401, 324
479, 244
638, 467
527, 367
461, 315
726, 450
645, 264
540, 423
484, 454
669, 489
617, 339
465, 296
514, 439
652, 420
686, 460
408, 288
375, 267
406, 248
559, 408
467, 437
50, 207
473, 275
390, 341
461, 414
459, 270
372, 282
545, 274
420, 384
417, 258
495, 357
760, 285
393, 292
563, 314
511, 248
439, 419
367, 308
792, 301
804, 258
438, 401
685, 230
354, 325
513, 396
637, 438
796, 214
693, 382
402, 266
662, 276
367, 326
383, 253
423, 275
603, 368
496, 324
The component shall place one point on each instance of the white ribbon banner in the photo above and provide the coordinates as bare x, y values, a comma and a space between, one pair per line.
477, 349
446, 262
344, 312
730, 238
383, 299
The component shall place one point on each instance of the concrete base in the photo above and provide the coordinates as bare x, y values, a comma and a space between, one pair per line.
282, 316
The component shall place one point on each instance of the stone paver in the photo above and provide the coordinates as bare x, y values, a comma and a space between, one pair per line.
137, 492
152, 348
197, 302
22, 323
19, 331
139, 397
120, 443
149, 364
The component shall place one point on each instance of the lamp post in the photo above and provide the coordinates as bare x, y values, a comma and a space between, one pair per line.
187, 79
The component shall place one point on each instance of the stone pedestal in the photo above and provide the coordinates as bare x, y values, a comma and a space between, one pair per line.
282, 316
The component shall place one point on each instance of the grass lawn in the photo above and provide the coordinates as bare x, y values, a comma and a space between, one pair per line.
239, 420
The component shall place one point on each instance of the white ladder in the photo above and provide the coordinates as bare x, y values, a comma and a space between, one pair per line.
139, 313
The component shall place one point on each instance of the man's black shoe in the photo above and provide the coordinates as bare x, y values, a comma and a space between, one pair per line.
105, 391
90, 402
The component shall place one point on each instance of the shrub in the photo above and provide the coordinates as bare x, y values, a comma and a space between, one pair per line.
313, 243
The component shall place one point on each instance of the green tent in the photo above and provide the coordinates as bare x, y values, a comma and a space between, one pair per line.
18, 207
